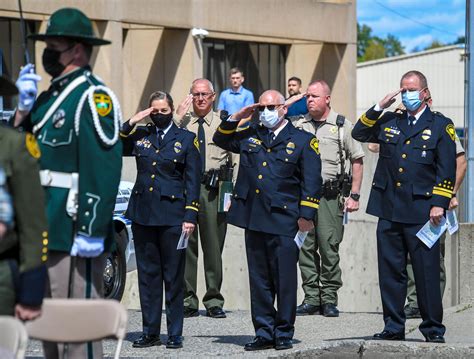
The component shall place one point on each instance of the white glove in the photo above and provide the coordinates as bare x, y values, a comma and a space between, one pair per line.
87, 246
28, 88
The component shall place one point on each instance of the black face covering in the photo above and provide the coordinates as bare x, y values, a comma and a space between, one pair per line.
51, 62
161, 120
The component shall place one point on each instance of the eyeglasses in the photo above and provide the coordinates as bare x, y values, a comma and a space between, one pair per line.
270, 107
202, 94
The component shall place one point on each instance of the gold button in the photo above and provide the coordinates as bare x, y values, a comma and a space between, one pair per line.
157, 151
260, 176
174, 160
284, 207
404, 155
257, 191
424, 146
152, 176
269, 150
286, 159
407, 142
150, 189
172, 196
399, 184
44, 258
44, 234
264, 164
153, 164
427, 193
45, 250
400, 170
307, 197
45, 242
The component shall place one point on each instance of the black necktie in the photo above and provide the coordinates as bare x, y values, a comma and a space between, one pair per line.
202, 143
271, 137
411, 120
160, 137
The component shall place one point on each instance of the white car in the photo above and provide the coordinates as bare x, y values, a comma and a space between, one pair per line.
122, 259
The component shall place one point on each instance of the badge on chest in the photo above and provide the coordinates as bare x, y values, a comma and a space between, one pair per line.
59, 118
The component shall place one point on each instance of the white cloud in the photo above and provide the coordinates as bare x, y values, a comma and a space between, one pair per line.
419, 41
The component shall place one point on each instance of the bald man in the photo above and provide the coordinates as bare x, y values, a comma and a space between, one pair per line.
276, 195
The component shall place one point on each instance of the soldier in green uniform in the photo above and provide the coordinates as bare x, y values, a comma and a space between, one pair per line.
77, 123
212, 224
319, 255
23, 226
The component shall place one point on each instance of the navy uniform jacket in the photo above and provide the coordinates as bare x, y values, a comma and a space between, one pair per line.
277, 183
166, 191
417, 164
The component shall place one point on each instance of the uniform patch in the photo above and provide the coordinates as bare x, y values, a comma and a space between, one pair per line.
59, 118
103, 104
290, 148
177, 147
32, 146
314, 144
144, 143
392, 130
426, 134
333, 129
451, 131
255, 140
196, 143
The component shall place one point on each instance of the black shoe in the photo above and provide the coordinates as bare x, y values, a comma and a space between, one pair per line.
308, 309
190, 312
146, 341
386, 335
216, 312
435, 338
259, 343
330, 310
411, 312
174, 342
283, 343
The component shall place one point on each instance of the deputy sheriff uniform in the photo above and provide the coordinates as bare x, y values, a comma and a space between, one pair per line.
77, 124
415, 171
24, 248
212, 225
166, 194
319, 256
279, 181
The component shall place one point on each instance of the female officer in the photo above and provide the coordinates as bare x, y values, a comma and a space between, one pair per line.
163, 205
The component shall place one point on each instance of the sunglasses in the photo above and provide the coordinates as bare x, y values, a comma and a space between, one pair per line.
270, 107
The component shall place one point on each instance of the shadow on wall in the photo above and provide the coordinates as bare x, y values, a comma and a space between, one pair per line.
326, 68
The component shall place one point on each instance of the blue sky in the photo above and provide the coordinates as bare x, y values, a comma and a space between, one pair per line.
444, 20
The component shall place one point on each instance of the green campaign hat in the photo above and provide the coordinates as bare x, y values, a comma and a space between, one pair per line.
7, 88
70, 23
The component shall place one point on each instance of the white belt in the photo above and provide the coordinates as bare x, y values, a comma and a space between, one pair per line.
56, 179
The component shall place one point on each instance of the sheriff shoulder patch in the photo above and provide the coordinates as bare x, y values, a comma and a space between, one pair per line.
196, 143
103, 104
451, 131
314, 144
32, 146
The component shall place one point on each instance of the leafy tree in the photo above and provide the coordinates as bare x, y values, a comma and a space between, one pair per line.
434, 45
371, 47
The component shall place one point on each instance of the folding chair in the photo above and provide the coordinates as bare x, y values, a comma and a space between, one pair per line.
13, 337
79, 321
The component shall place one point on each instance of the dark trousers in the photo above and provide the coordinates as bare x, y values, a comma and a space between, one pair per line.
272, 261
159, 261
394, 242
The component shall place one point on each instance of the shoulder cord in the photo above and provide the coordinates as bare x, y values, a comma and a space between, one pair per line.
89, 95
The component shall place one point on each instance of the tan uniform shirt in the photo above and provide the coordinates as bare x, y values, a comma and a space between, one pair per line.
327, 134
215, 156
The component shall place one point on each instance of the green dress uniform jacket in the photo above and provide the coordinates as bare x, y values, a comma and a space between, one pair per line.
77, 124
23, 251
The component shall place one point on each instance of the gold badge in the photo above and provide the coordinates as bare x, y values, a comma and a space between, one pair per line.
426, 134
290, 148
32, 146
177, 147
314, 144
103, 104
196, 143
451, 131
333, 129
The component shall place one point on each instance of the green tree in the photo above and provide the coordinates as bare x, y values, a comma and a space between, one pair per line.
371, 47
434, 45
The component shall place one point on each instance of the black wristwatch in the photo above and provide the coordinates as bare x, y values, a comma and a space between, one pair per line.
355, 196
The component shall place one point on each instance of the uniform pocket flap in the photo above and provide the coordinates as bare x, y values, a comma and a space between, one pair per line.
172, 192
422, 190
379, 183
241, 192
285, 202
137, 190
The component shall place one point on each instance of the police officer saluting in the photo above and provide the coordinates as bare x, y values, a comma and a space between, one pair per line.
413, 183
77, 123
164, 203
276, 195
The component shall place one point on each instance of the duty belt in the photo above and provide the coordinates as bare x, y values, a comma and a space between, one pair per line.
56, 179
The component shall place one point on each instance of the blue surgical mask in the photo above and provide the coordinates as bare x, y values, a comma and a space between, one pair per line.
269, 118
411, 100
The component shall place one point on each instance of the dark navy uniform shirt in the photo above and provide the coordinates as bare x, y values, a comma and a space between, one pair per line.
278, 182
166, 191
417, 164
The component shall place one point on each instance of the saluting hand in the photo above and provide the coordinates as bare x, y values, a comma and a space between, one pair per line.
188, 228
305, 225
184, 106
245, 112
290, 101
389, 99
140, 116
436, 213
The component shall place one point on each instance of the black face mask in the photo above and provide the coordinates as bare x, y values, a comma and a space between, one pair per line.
51, 62
161, 120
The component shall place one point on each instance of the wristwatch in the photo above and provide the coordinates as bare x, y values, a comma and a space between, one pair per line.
355, 196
